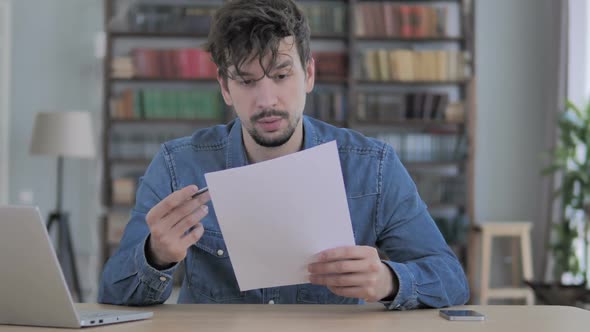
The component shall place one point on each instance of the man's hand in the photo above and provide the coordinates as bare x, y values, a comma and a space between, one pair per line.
355, 272
170, 221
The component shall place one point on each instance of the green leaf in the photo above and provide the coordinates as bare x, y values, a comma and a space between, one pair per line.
570, 106
580, 176
557, 193
551, 169
561, 153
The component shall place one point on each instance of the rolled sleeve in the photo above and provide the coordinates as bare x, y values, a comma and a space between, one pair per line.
406, 297
157, 281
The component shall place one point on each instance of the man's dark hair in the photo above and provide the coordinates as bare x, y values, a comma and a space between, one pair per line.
243, 30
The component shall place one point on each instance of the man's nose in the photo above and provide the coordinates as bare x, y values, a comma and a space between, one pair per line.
266, 94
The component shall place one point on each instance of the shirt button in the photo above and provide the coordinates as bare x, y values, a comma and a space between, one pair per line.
162, 278
271, 302
219, 252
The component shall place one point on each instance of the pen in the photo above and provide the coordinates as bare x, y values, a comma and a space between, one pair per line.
202, 190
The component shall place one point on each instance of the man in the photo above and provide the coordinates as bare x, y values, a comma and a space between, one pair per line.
261, 48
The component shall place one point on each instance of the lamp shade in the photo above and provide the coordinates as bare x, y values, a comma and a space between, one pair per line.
65, 134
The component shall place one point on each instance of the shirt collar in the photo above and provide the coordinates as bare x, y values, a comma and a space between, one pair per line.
236, 153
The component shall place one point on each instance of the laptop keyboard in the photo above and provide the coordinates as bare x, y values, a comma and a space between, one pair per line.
99, 314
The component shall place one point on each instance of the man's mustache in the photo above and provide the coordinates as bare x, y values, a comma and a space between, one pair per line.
267, 113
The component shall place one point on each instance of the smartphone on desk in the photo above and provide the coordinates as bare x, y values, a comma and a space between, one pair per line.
461, 315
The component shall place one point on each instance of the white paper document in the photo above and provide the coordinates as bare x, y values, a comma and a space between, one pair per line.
276, 215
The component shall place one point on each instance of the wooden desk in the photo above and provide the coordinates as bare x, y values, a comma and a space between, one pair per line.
343, 318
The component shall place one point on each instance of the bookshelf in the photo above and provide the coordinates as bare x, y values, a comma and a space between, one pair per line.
364, 82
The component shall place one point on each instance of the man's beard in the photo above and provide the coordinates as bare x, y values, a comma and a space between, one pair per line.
276, 141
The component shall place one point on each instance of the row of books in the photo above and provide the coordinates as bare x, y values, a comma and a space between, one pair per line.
186, 63
122, 67
372, 19
163, 18
168, 104
331, 65
190, 63
385, 19
123, 190
377, 107
409, 65
452, 230
116, 223
423, 147
433, 188
440, 189
325, 18
326, 105
140, 145
117, 220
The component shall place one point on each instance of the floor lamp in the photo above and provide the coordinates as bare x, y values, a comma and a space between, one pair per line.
63, 134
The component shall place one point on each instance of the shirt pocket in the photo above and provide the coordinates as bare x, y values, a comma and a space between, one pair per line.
212, 277
317, 294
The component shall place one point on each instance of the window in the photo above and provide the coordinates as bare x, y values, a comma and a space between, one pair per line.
578, 91
579, 52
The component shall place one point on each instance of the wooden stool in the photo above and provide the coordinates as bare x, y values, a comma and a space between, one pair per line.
487, 231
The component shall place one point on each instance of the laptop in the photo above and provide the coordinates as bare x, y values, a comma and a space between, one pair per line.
33, 290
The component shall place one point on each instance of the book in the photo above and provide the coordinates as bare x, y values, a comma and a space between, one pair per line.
116, 223
123, 191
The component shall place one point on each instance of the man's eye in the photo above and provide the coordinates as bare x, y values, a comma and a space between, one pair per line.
245, 82
281, 76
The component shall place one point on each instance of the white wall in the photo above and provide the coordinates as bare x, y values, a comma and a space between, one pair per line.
579, 68
516, 77
5, 49
54, 68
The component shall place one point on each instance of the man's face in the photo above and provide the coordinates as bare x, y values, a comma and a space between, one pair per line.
270, 107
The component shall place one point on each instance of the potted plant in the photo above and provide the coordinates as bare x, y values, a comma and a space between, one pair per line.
570, 160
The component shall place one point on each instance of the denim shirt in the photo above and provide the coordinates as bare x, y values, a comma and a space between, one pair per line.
385, 209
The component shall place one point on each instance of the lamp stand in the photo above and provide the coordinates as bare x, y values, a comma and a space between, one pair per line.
65, 250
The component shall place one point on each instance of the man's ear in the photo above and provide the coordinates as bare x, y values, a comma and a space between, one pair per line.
310, 75
223, 84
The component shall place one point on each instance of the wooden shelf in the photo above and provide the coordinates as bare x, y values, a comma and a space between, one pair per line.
413, 123
162, 80
428, 164
414, 83
414, 1
410, 39
155, 34
331, 80
444, 206
335, 36
165, 121
323, 80
340, 124
130, 161
323, 1
203, 123
141, 34
118, 207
